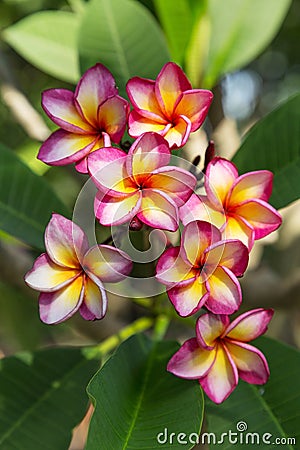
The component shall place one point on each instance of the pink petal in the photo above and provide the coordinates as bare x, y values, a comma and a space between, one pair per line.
171, 268
238, 228
47, 276
225, 292
59, 105
107, 167
250, 325
177, 183
170, 83
232, 254
94, 303
198, 207
94, 87
178, 134
251, 185
196, 237
116, 210
137, 125
222, 378
107, 263
209, 327
158, 210
220, 176
65, 242
148, 153
194, 104
112, 117
141, 93
55, 307
260, 215
63, 148
251, 363
191, 361
188, 296
103, 141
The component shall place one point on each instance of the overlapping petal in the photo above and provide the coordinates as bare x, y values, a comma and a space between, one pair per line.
139, 124
231, 254
94, 303
194, 104
158, 210
178, 134
220, 175
112, 117
238, 228
225, 294
188, 296
198, 207
107, 263
209, 328
251, 185
141, 93
250, 325
196, 237
112, 210
171, 268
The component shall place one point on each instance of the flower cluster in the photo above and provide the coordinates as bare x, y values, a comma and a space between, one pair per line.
141, 186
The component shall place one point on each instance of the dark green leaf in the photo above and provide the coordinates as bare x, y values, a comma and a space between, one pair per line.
124, 36
42, 398
274, 144
136, 399
26, 200
272, 408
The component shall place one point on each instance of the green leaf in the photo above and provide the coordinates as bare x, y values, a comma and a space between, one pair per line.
272, 408
48, 40
240, 31
42, 398
136, 399
273, 144
125, 37
26, 200
177, 23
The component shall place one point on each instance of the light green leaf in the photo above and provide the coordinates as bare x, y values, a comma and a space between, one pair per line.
176, 20
48, 40
42, 398
240, 31
26, 200
123, 36
136, 399
274, 144
272, 408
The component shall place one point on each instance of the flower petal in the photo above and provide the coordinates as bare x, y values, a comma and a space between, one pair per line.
141, 93
188, 296
111, 210
63, 147
225, 292
222, 378
65, 242
171, 268
232, 254
94, 87
46, 276
196, 237
250, 362
107, 263
261, 216
59, 105
170, 83
251, 185
220, 176
238, 228
103, 141
137, 125
191, 361
158, 210
250, 325
209, 327
149, 152
112, 117
55, 307
198, 207
194, 104
177, 183
178, 134
94, 303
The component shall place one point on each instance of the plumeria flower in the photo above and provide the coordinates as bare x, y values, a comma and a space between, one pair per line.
235, 204
140, 184
88, 119
169, 106
202, 271
220, 353
70, 275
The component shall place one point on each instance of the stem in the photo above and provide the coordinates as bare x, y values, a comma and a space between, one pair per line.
107, 240
160, 328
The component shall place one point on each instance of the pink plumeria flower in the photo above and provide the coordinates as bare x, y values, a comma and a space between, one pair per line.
235, 204
203, 270
139, 184
70, 275
88, 119
168, 106
220, 353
